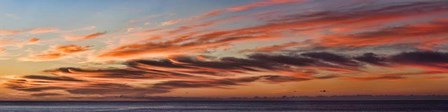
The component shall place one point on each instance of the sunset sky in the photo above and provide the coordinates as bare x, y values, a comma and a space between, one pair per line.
133, 49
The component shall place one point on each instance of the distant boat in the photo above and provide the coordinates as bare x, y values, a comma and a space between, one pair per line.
323, 91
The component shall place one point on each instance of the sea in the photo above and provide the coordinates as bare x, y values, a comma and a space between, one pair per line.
225, 106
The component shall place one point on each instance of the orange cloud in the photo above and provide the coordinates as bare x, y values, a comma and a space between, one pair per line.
180, 44
377, 78
430, 44
154, 50
8, 32
32, 31
142, 77
401, 34
2, 50
171, 22
16, 43
33, 40
85, 37
211, 13
260, 4
56, 52
272, 30
43, 30
28, 42
147, 77
393, 76
189, 27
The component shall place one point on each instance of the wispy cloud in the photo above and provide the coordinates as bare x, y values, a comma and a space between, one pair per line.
273, 48
43, 30
165, 75
260, 4
8, 32
84, 37
56, 52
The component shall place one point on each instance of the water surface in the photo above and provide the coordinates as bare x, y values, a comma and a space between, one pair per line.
228, 106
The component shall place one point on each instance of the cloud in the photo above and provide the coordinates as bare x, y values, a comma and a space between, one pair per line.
108, 89
349, 25
163, 60
393, 76
50, 78
431, 44
56, 52
30, 41
191, 38
367, 26
43, 30
167, 86
260, 4
413, 33
211, 13
130, 73
171, 22
192, 19
284, 59
147, 77
176, 46
425, 60
4, 32
192, 27
308, 61
33, 40
363, 17
24, 85
222, 83
371, 58
423, 57
331, 57
428, 60
238, 8
139, 50
85, 37
174, 73
273, 48
378, 78
18, 43
2, 50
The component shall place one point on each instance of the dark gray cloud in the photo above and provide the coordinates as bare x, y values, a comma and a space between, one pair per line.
52, 78
190, 72
371, 58
421, 57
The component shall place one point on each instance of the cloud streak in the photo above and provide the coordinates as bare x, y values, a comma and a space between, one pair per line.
85, 37
56, 52
183, 72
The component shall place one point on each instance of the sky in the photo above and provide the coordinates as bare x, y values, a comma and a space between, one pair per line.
137, 49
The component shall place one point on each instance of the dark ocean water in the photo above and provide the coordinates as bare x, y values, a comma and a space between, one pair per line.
228, 106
